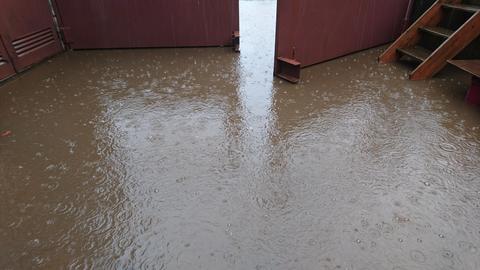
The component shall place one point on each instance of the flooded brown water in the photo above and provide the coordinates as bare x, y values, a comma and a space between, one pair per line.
200, 159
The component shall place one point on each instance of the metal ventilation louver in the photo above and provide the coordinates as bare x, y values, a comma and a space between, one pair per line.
33, 42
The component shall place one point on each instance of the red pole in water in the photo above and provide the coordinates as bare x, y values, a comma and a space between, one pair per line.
473, 95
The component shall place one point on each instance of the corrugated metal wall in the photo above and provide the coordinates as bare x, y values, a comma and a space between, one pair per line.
6, 67
27, 32
91, 24
312, 31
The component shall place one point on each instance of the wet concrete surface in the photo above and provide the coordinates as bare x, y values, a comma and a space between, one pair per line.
199, 159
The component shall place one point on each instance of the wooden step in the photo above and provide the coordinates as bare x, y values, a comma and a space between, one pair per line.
466, 8
470, 66
433, 16
415, 52
449, 49
431, 62
438, 31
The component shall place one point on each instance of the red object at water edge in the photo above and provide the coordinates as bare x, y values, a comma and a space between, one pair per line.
473, 95
5, 133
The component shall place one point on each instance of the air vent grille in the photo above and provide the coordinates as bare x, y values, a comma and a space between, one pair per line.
32, 42
2, 61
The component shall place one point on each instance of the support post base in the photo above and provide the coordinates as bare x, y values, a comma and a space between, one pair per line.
236, 41
288, 69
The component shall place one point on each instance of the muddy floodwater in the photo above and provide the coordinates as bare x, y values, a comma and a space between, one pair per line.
199, 159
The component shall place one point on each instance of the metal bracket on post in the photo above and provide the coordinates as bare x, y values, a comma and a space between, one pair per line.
288, 69
236, 41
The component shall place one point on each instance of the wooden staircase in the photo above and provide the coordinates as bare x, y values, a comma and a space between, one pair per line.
438, 36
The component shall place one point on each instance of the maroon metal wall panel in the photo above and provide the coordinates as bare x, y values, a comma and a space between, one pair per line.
6, 67
28, 31
313, 31
91, 24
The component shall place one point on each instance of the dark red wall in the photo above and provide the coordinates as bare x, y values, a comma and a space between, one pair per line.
6, 67
148, 23
313, 31
27, 31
